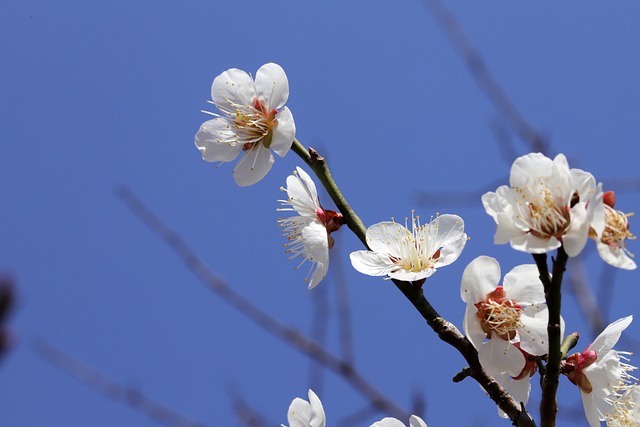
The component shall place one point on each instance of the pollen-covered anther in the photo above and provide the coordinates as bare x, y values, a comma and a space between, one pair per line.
549, 217
616, 229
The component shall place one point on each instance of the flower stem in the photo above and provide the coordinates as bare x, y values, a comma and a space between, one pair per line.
553, 296
445, 330
317, 163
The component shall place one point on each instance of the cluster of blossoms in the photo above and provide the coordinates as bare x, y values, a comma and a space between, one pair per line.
546, 206
310, 413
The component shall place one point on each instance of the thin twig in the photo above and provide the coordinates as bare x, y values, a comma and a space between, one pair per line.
319, 335
97, 381
592, 307
287, 334
7, 303
485, 80
343, 306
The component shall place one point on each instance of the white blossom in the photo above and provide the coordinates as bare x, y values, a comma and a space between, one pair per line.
414, 421
516, 309
306, 414
308, 232
544, 206
411, 255
253, 120
610, 230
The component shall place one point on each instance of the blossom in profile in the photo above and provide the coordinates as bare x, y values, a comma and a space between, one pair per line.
306, 414
543, 207
414, 421
253, 120
601, 373
308, 233
411, 255
504, 314
610, 230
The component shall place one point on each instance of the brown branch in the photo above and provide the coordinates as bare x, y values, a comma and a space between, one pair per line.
318, 334
287, 334
97, 381
553, 297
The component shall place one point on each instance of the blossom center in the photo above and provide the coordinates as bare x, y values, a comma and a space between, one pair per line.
616, 229
254, 124
416, 250
547, 215
499, 314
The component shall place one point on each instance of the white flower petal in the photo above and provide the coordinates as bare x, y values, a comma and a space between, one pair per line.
590, 410
299, 413
534, 245
527, 167
584, 183
450, 237
497, 355
522, 284
316, 245
615, 256
472, 327
211, 138
371, 263
388, 422
231, 88
519, 389
534, 338
480, 277
317, 418
596, 209
561, 177
272, 85
410, 276
383, 237
303, 196
284, 133
254, 165
416, 421
610, 336
576, 236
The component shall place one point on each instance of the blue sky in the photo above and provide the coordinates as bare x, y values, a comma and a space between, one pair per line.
95, 95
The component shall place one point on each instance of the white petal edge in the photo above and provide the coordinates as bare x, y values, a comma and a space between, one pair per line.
284, 133
210, 141
371, 263
480, 276
233, 86
272, 85
610, 336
